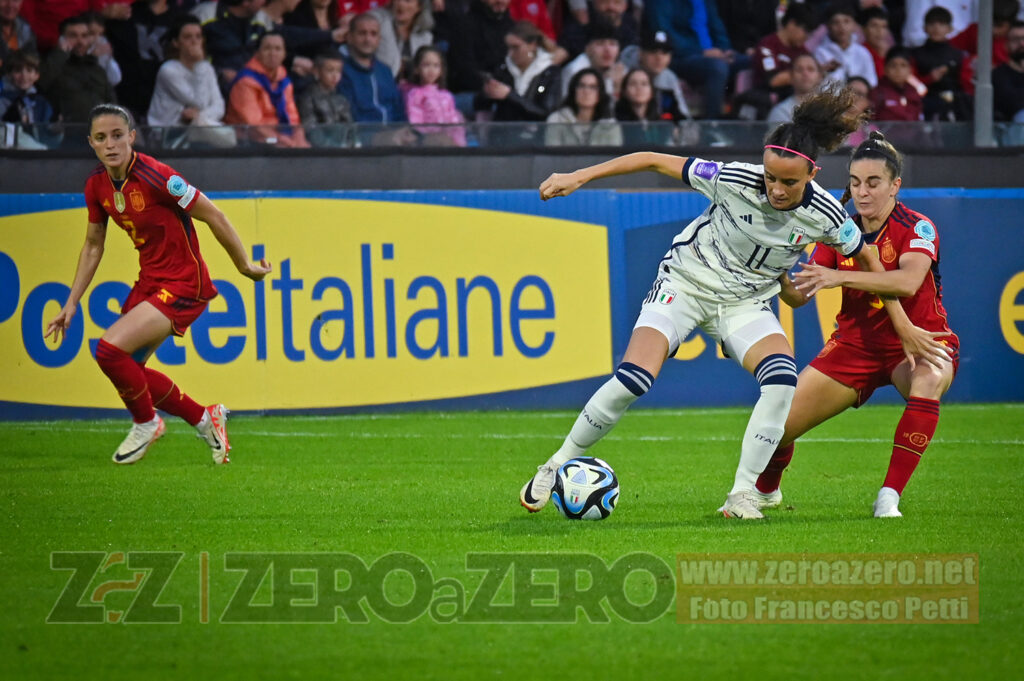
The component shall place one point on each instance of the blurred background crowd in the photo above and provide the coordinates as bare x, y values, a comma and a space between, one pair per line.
300, 73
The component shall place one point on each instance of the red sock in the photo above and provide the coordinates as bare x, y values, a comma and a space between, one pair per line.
913, 434
166, 396
128, 378
771, 478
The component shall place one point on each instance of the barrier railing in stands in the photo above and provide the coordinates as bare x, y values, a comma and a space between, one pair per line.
737, 135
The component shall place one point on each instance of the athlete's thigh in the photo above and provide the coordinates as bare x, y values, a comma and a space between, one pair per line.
923, 381
817, 399
142, 327
648, 348
750, 332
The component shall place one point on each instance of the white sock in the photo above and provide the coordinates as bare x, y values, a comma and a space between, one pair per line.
205, 421
764, 431
602, 412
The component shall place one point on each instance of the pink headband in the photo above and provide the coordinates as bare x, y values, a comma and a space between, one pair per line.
793, 151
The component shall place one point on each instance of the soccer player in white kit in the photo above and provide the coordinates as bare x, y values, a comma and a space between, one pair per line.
721, 273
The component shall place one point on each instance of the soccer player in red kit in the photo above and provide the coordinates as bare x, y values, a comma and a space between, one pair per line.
864, 353
155, 207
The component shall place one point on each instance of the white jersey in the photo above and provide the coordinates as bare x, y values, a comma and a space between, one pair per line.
737, 249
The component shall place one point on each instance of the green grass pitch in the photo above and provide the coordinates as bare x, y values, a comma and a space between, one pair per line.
441, 486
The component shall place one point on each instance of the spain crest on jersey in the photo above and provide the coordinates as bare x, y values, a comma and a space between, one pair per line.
887, 252
137, 199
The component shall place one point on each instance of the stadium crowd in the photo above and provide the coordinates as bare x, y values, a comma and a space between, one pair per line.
297, 73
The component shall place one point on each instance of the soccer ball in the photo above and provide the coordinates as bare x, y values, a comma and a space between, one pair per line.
585, 489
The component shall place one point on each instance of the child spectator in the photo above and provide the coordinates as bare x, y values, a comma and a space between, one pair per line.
262, 97
806, 77
938, 65
601, 54
186, 91
20, 104
324, 111
877, 38
774, 54
895, 99
860, 88
962, 14
841, 56
102, 49
429, 102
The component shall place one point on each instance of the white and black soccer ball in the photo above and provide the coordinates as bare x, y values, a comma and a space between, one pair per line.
585, 489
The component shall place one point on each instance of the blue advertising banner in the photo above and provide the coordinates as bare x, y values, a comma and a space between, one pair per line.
450, 299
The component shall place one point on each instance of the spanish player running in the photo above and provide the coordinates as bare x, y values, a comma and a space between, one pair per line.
155, 207
864, 352
721, 273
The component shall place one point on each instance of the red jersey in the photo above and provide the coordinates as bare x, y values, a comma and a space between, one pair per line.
772, 56
152, 205
862, 320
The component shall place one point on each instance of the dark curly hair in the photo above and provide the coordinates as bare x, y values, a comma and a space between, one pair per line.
820, 123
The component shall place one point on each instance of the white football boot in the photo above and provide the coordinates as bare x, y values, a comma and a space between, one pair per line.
140, 437
887, 504
742, 504
213, 429
537, 491
769, 500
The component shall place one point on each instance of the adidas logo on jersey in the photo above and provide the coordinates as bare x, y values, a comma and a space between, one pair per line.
748, 218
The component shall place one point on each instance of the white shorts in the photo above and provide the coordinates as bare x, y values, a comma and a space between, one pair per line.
672, 309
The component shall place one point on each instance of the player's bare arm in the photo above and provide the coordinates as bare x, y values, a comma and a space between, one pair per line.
225, 233
790, 294
563, 184
901, 282
88, 261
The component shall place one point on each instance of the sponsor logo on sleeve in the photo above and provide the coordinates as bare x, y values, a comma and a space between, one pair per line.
705, 169
925, 230
924, 245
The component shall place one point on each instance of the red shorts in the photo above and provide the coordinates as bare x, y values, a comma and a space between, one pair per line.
181, 311
863, 369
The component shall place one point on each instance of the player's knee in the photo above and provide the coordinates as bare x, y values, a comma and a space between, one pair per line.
776, 375
636, 379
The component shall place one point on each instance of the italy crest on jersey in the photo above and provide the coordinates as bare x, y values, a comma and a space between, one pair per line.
666, 297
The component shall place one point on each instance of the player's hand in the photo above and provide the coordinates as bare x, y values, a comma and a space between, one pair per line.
920, 344
257, 270
59, 326
812, 278
559, 184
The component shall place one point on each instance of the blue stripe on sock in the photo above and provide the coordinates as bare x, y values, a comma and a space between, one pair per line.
636, 379
776, 369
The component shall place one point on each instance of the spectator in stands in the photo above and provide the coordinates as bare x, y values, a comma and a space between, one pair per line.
962, 14
139, 49
806, 77
638, 108
895, 99
774, 54
877, 39
263, 98
22, 105
654, 56
585, 118
840, 56
366, 82
102, 49
405, 27
575, 36
15, 33
748, 21
320, 14
476, 49
1003, 13
427, 101
186, 91
937, 65
703, 55
72, 79
232, 36
46, 16
1008, 79
862, 91
536, 12
302, 43
324, 111
527, 85
601, 54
